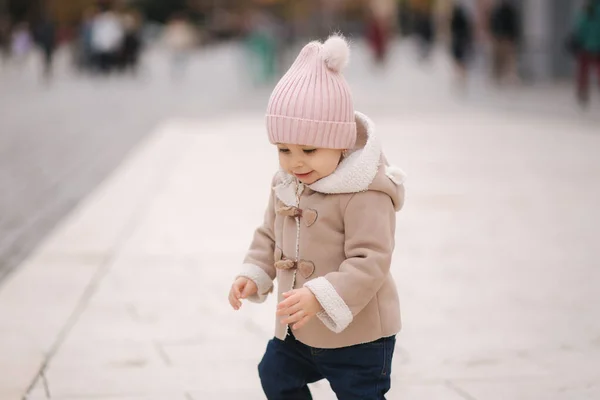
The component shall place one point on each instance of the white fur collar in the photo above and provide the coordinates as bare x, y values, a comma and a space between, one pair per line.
286, 190
354, 174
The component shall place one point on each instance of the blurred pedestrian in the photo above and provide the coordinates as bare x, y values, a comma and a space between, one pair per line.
505, 28
132, 43
335, 289
442, 15
422, 12
180, 39
377, 37
21, 43
84, 50
587, 47
107, 38
262, 43
380, 25
4, 37
45, 36
403, 17
461, 39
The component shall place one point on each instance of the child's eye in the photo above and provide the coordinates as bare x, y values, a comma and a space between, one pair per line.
284, 151
309, 151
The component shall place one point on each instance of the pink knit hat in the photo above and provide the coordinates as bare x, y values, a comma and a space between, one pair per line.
312, 105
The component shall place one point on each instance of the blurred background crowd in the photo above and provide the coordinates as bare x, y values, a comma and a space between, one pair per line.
521, 41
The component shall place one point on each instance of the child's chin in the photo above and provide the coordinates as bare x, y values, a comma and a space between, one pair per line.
309, 181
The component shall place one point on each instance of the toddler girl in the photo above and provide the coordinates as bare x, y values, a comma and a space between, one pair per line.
328, 238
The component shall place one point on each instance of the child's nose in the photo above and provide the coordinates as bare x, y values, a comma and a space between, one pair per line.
298, 163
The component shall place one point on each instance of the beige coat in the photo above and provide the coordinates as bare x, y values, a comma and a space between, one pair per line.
336, 238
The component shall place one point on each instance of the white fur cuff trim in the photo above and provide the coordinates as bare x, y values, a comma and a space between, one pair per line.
261, 278
336, 315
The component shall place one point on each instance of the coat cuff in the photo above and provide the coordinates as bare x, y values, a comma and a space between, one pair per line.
335, 315
261, 278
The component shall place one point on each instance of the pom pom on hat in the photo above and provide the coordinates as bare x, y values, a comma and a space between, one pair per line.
336, 52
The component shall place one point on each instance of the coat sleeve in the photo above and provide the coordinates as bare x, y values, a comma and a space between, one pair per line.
259, 261
370, 222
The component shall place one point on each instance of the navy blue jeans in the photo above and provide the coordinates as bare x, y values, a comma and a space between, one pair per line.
360, 372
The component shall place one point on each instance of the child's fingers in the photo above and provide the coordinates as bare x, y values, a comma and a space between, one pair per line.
235, 303
237, 290
232, 302
293, 318
290, 293
290, 310
287, 303
248, 289
301, 323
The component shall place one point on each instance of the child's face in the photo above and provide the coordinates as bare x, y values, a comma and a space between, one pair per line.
308, 163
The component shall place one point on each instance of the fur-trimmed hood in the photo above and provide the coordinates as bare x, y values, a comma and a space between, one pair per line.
364, 168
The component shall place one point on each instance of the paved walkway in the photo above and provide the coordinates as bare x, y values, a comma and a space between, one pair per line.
495, 264
496, 260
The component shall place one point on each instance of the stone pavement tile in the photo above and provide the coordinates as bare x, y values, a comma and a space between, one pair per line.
218, 330
150, 380
37, 300
431, 391
477, 369
97, 224
38, 391
582, 360
152, 281
124, 380
322, 391
35, 304
227, 393
93, 353
210, 353
163, 396
18, 367
555, 388
178, 300
102, 324
11, 394
212, 378
428, 359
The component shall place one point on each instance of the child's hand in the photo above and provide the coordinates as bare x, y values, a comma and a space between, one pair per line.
300, 305
241, 289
